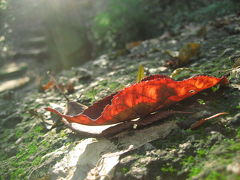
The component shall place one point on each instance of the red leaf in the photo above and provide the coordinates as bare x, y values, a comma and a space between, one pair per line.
47, 86
141, 99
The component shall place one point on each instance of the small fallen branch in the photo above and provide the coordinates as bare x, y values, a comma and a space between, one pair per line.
202, 121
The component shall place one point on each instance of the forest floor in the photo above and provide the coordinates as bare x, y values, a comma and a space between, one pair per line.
36, 145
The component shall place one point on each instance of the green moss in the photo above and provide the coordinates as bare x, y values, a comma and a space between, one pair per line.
91, 94
183, 75
168, 169
62, 133
17, 174
229, 141
201, 152
37, 161
38, 129
124, 170
214, 175
19, 133
194, 171
29, 153
201, 101
25, 152
103, 83
45, 143
3, 156
235, 147
233, 176
188, 161
214, 67
238, 133
215, 88
114, 85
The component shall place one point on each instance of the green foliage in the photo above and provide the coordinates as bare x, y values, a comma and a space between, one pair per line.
121, 22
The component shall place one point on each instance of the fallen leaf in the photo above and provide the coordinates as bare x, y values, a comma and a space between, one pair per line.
188, 52
140, 73
133, 44
184, 55
141, 99
112, 129
48, 85
62, 87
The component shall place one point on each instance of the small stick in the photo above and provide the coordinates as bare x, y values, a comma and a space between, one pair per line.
57, 85
202, 121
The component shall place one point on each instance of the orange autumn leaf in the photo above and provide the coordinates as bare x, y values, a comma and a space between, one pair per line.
141, 99
47, 86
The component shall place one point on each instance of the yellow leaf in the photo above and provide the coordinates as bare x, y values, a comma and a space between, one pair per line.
140, 73
188, 52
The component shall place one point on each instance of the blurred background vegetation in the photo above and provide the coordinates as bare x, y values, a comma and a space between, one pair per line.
78, 31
